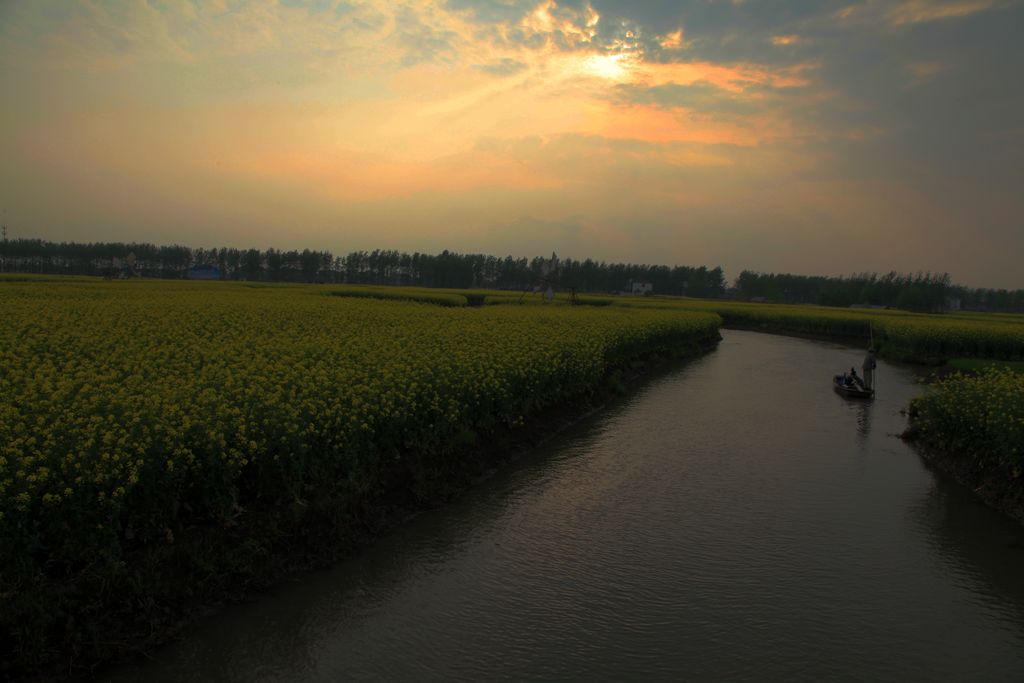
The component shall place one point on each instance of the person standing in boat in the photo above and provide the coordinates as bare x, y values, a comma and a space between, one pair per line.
868, 367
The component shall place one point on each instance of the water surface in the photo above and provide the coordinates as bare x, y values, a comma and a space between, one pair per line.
732, 519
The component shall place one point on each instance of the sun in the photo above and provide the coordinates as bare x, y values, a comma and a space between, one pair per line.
611, 67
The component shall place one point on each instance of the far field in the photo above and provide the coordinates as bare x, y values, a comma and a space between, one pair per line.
899, 335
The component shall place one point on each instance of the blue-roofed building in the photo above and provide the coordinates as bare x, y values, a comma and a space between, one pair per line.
204, 272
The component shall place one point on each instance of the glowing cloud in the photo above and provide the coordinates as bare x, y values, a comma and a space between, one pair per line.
672, 41
550, 20
611, 67
909, 12
691, 132
786, 40
918, 11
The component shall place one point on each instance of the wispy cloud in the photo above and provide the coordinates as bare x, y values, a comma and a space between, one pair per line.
673, 40
920, 11
505, 66
564, 26
790, 39
921, 72
425, 37
899, 13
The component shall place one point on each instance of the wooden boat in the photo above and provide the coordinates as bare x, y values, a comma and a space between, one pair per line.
851, 391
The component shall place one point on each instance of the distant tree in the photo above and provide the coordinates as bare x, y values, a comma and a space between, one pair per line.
920, 291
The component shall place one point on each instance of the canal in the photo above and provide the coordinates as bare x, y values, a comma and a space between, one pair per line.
730, 519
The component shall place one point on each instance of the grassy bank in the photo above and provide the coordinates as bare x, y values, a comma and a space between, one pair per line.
930, 339
975, 365
972, 426
166, 444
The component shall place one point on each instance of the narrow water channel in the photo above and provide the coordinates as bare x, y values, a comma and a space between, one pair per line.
733, 519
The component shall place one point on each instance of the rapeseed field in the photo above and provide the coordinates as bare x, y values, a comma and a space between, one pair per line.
111, 389
135, 416
899, 335
979, 416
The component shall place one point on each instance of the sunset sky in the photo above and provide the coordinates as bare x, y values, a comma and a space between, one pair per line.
810, 136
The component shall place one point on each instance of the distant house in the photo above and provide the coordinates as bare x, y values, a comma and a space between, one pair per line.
953, 303
204, 272
642, 288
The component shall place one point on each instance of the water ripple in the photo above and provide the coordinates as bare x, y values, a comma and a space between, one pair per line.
707, 528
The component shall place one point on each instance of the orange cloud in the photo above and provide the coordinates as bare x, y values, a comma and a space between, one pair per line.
786, 40
905, 12
580, 27
347, 176
727, 77
653, 124
918, 11
672, 41
924, 71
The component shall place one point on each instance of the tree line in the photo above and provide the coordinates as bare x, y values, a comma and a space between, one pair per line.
916, 292
924, 292
378, 267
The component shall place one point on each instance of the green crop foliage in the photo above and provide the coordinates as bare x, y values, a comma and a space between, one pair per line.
420, 294
979, 416
979, 364
897, 334
116, 395
135, 416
